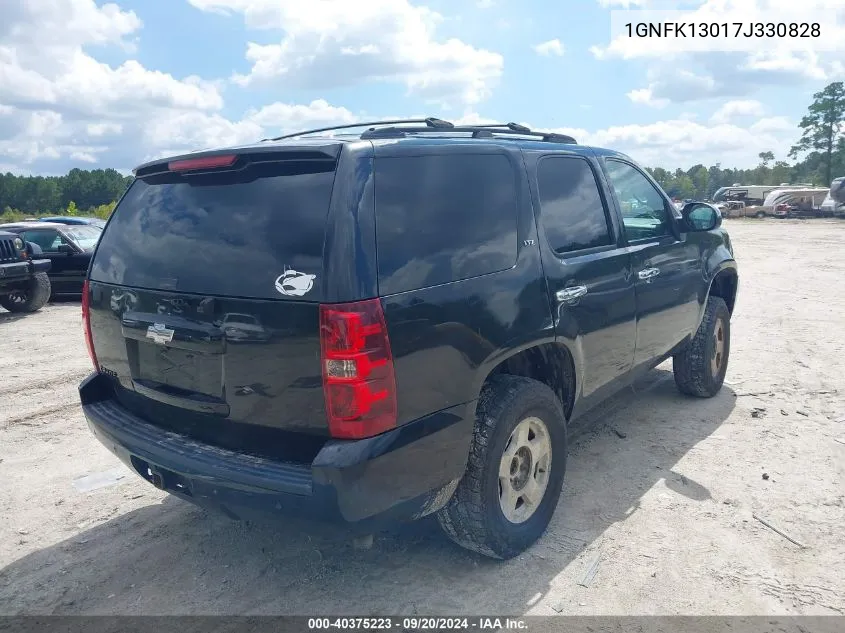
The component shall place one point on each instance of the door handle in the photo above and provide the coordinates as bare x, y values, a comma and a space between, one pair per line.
571, 294
648, 273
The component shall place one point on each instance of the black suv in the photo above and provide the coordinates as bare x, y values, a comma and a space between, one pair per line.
385, 325
24, 285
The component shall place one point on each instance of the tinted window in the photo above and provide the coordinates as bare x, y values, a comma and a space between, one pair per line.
644, 212
443, 218
573, 215
48, 240
230, 234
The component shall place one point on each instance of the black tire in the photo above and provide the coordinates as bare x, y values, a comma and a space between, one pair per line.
30, 300
474, 518
695, 373
761, 214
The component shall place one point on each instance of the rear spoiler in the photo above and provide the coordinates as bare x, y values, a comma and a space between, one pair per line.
237, 158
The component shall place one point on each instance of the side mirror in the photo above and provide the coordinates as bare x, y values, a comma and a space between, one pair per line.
700, 216
67, 249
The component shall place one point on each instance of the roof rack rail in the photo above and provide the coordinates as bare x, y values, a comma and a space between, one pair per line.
516, 127
430, 122
476, 131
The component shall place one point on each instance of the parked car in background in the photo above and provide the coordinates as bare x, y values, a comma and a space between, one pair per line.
732, 209
793, 202
68, 247
24, 284
837, 193
70, 219
830, 206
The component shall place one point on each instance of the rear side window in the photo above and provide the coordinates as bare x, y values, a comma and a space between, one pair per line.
443, 218
228, 234
573, 214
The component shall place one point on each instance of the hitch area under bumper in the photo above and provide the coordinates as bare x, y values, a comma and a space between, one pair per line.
400, 475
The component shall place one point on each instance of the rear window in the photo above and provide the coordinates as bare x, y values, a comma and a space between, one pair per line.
443, 218
229, 233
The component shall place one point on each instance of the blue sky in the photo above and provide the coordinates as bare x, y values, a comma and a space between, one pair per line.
85, 83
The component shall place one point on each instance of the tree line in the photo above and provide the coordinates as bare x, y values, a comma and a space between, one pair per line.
79, 192
821, 146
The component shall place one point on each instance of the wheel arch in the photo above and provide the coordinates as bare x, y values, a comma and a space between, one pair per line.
725, 283
551, 363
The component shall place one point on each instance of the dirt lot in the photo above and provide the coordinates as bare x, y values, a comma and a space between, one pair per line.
660, 487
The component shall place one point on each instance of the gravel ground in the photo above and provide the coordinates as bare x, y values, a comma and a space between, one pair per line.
660, 489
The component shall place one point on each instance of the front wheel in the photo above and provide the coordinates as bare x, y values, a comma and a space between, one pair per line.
515, 470
700, 369
31, 298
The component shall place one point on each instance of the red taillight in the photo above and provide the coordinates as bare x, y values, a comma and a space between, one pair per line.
86, 324
358, 380
206, 162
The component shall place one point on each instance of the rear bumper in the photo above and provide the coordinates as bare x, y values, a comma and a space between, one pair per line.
400, 475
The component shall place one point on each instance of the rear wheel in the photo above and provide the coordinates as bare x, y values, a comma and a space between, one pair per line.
700, 369
515, 470
31, 298
761, 214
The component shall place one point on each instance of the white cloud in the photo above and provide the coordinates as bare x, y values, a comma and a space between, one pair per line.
83, 157
65, 22
285, 117
733, 110
59, 103
718, 75
684, 142
645, 96
330, 43
43, 63
62, 107
691, 69
104, 128
547, 49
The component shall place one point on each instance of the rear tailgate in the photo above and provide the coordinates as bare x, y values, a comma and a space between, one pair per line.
204, 303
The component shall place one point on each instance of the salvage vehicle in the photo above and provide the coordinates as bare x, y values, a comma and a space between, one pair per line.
68, 247
791, 203
441, 303
837, 193
24, 284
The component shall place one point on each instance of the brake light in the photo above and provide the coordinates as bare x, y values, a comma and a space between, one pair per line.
86, 324
358, 379
206, 162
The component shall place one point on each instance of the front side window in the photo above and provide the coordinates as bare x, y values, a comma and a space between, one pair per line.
644, 210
